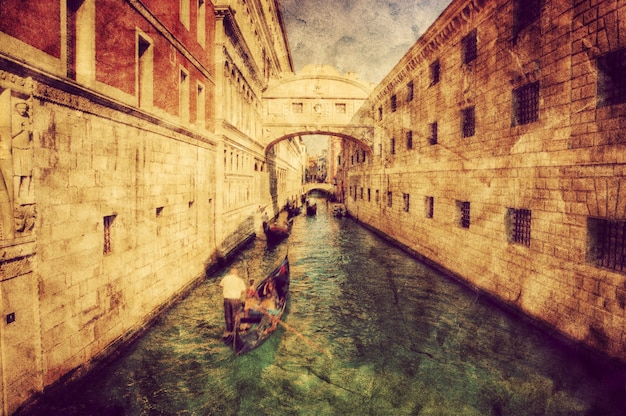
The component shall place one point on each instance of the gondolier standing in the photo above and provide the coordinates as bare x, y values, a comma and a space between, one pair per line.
233, 288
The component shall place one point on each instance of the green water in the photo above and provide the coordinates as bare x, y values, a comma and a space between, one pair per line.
371, 331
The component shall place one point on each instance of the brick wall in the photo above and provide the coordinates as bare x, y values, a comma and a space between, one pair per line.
566, 166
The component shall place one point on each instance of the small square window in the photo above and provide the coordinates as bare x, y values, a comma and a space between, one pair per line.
525, 13
297, 107
518, 226
464, 213
606, 243
526, 104
611, 78
470, 51
429, 207
434, 72
467, 122
340, 108
410, 91
433, 133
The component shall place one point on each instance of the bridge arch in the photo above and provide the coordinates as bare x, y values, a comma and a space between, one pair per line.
318, 101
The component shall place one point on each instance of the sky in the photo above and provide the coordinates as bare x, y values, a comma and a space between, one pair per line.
367, 37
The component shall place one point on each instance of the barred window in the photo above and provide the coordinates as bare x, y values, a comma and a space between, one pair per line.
406, 198
464, 213
607, 243
108, 227
433, 133
429, 206
470, 51
526, 104
467, 122
518, 223
410, 92
434, 72
409, 139
394, 103
611, 79
525, 13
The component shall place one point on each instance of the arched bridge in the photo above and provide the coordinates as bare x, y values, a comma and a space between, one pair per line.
318, 101
325, 187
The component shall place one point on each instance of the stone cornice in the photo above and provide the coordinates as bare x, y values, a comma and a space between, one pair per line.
156, 23
448, 24
231, 29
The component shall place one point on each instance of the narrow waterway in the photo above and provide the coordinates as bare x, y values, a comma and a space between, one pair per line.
372, 331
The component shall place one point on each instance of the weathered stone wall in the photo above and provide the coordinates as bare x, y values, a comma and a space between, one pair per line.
100, 279
565, 167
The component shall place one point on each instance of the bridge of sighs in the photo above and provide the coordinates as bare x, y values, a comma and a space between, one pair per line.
318, 101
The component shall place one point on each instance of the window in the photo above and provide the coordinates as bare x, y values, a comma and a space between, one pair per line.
470, 51
410, 91
607, 243
392, 144
184, 6
464, 213
380, 113
369, 194
409, 139
434, 72
377, 196
526, 104
361, 192
394, 103
184, 96
201, 26
611, 79
433, 133
525, 12
200, 106
429, 206
406, 200
108, 230
467, 122
297, 107
518, 226
340, 108
145, 72
389, 198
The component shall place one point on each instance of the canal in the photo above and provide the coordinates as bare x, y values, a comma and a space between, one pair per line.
372, 331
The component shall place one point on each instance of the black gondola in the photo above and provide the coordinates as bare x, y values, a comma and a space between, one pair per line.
263, 313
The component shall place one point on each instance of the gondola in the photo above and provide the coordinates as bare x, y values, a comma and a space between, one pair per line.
263, 313
278, 230
311, 209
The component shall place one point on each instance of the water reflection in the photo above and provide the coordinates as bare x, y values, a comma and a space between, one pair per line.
371, 331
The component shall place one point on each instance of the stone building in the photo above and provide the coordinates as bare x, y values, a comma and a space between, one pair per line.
499, 155
130, 162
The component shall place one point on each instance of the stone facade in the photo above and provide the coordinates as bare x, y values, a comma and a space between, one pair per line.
499, 154
121, 181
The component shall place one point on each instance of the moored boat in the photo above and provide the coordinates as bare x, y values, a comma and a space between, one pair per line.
339, 210
311, 209
263, 312
278, 230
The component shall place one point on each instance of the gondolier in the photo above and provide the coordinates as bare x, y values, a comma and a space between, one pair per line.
233, 288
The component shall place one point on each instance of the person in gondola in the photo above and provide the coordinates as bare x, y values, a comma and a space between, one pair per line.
252, 299
269, 303
233, 288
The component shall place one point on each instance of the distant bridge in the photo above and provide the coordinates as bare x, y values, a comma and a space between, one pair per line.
324, 187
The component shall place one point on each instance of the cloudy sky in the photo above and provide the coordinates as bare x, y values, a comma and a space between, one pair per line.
365, 36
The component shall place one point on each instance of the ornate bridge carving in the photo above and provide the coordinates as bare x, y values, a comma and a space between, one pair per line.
318, 101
